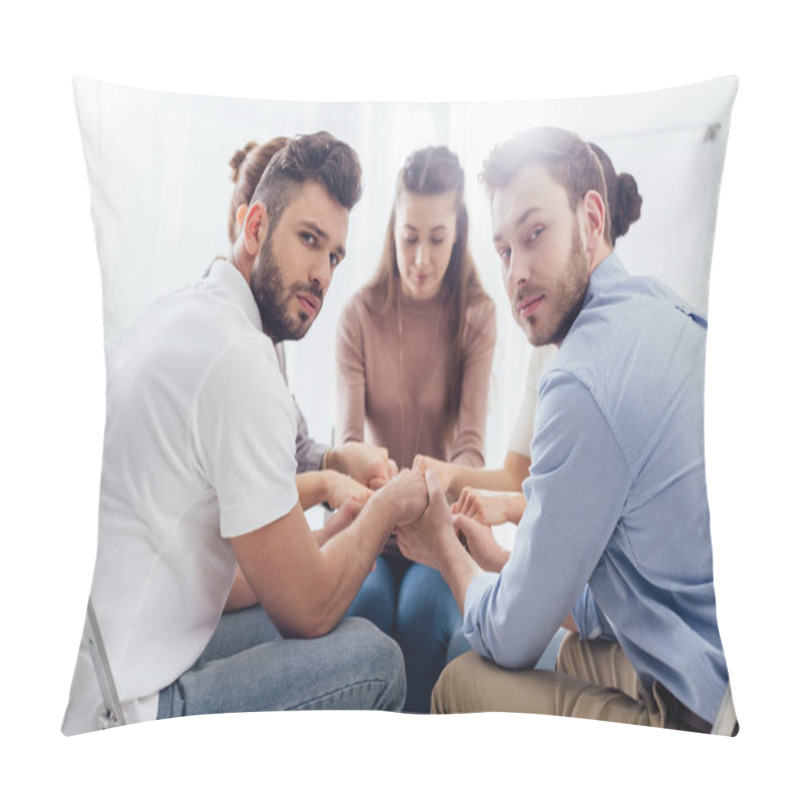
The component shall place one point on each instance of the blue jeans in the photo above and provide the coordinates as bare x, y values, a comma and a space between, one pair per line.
248, 666
413, 604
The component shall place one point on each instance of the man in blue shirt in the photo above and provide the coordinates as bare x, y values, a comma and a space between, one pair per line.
614, 543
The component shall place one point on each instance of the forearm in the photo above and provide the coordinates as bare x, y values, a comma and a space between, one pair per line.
515, 505
304, 588
347, 559
312, 488
508, 478
241, 594
458, 569
496, 480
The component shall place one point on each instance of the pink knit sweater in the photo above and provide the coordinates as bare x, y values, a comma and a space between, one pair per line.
406, 415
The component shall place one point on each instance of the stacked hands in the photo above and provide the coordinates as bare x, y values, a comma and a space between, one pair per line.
430, 529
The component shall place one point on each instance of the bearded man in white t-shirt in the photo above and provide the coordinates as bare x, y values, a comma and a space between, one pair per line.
199, 476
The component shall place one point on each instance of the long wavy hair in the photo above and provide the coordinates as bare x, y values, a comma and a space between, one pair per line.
433, 171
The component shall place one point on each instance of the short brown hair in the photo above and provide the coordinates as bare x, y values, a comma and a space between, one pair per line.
567, 158
316, 157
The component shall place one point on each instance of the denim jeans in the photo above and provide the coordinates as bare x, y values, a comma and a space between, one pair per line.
249, 666
413, 604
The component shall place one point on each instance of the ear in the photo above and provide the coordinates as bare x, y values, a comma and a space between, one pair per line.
254, 228
594, 213
241, 212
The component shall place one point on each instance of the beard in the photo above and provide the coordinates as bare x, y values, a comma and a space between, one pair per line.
273, 299
565, 298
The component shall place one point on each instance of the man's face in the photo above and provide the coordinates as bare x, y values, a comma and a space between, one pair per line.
544, 257
294, 266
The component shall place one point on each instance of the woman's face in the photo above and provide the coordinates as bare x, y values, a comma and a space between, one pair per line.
424, 235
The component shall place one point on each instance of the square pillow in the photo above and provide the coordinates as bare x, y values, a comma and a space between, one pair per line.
159, 177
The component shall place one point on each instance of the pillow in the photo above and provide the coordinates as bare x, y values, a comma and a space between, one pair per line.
160, 190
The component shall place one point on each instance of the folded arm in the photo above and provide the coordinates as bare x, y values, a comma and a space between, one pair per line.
306, 589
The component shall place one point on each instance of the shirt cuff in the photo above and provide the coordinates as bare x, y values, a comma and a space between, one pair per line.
478, 587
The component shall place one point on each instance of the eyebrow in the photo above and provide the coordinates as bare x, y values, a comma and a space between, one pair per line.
340, 251
437, 228
520, 221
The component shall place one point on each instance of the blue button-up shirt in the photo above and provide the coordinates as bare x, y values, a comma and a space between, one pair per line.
617, 525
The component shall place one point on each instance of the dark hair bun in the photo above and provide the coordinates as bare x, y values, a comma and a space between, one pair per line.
628, 207
238, 159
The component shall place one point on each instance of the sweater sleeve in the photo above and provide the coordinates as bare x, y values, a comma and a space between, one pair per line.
350, 375
479, 341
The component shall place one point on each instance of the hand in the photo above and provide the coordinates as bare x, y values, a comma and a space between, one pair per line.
480, 543
427, 539
366, 463
404, 497
340, 487
444, 470
339, 521
490, 508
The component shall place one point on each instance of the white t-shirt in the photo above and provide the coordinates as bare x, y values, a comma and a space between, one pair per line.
522, 432
199, 447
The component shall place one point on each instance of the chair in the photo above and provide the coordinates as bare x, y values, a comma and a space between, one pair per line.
111, 716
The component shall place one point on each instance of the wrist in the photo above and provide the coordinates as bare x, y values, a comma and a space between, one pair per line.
328, 483
516, 507
333, 461
458, 568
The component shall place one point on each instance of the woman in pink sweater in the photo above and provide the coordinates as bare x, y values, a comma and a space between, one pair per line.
414, 353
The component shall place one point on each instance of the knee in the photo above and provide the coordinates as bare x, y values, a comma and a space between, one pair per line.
379, 660
425, 604
375, 600
457, 684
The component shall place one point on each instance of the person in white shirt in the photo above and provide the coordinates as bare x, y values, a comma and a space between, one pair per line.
199, 475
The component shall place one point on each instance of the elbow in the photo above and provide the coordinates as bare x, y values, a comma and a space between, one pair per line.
310, 624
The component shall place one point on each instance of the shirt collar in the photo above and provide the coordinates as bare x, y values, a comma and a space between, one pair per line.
224, 275
608, 272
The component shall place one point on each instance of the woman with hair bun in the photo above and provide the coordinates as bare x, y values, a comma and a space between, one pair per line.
414, 356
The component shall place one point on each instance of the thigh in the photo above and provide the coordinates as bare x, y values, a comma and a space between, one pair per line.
426, 608
472, 684
458, 645
237, 631
377, 598
600, 662
353, 667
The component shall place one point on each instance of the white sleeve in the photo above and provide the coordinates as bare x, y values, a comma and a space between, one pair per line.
522, 432
245, 432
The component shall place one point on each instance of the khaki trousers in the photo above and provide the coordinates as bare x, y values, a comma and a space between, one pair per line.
592, 680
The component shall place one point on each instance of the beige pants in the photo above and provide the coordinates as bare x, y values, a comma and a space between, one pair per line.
592, 680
